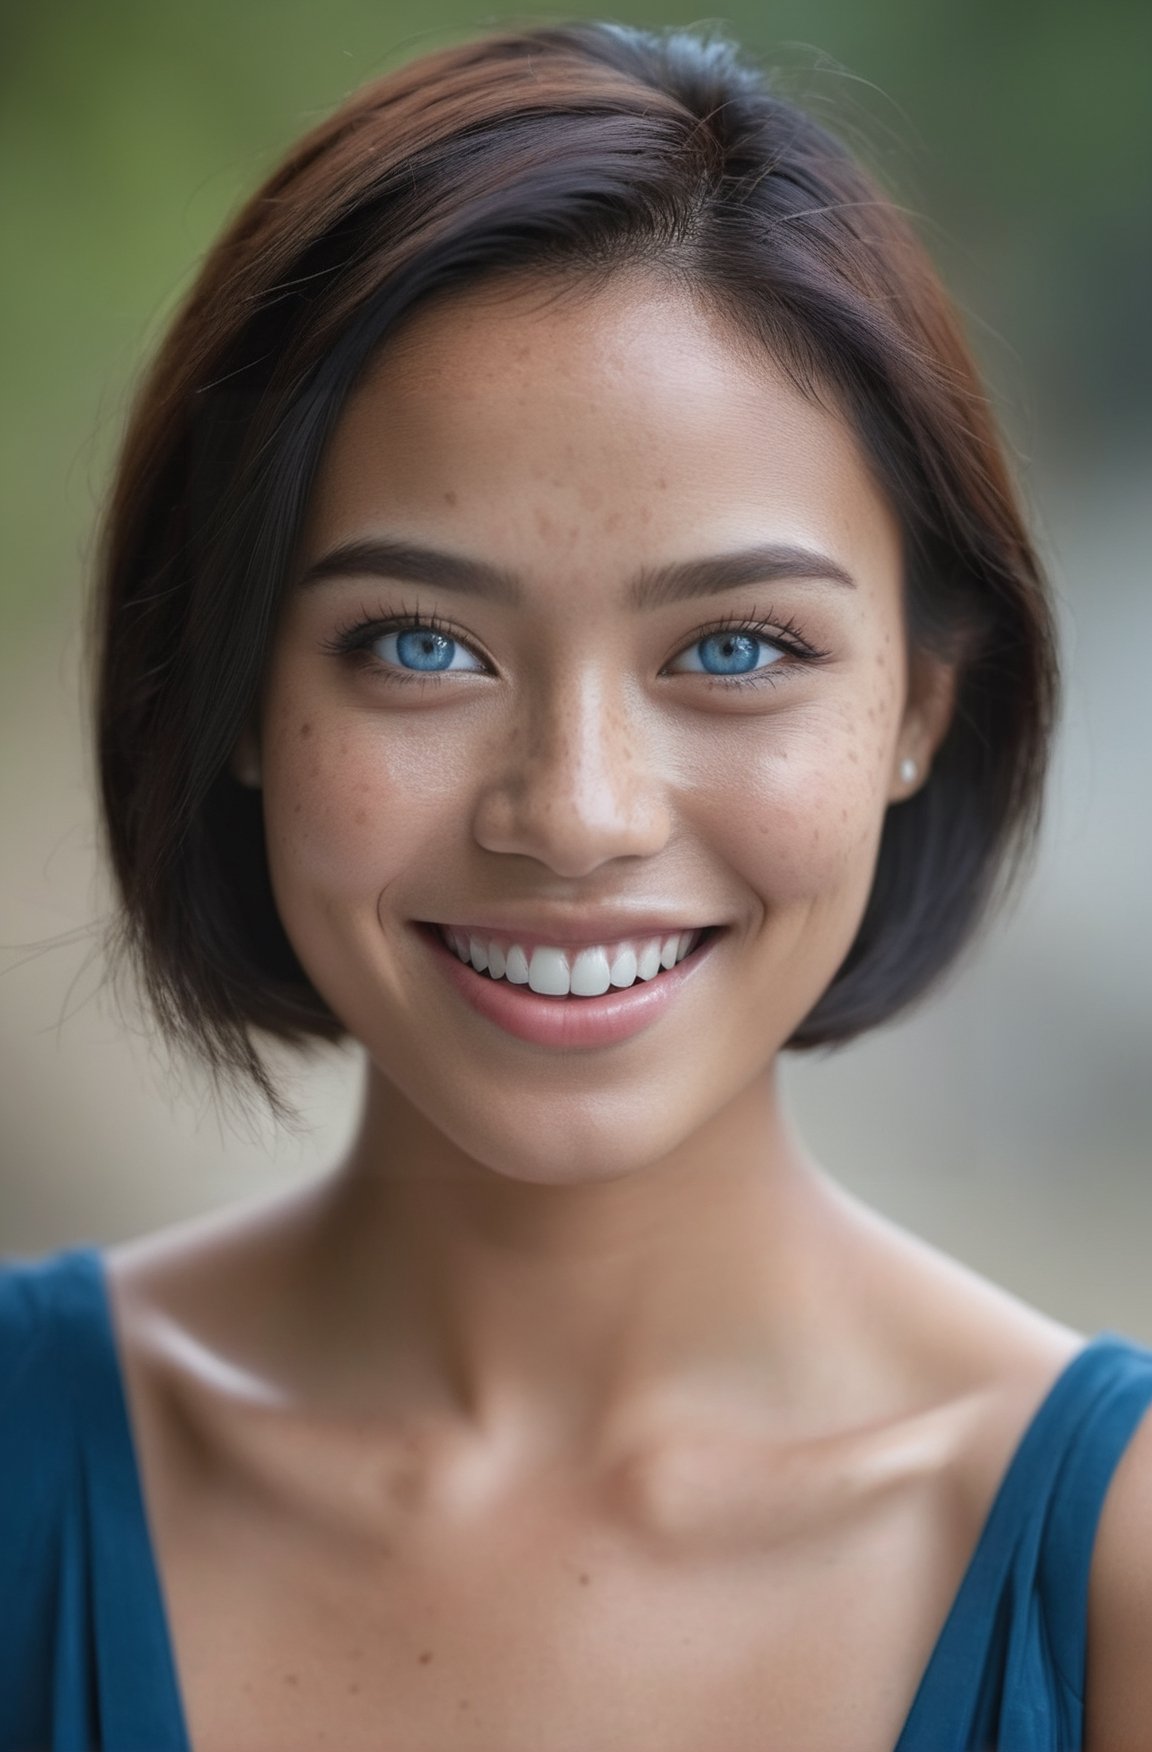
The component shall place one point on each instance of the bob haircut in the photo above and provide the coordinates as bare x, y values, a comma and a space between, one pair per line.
567, 151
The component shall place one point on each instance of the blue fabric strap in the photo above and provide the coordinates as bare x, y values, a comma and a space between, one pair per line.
89, 1658
1007, 1672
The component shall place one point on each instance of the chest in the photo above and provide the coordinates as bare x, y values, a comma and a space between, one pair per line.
529, 1629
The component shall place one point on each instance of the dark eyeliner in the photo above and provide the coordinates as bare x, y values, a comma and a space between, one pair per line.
353, 641
773, 629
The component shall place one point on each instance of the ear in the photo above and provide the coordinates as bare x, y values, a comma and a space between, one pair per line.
244, 764
932, 687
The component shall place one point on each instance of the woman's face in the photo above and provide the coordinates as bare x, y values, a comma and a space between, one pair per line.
570, 743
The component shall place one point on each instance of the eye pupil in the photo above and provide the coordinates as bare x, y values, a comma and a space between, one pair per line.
416, 646
741, 646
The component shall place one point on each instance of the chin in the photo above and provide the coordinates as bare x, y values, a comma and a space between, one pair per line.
539, 1137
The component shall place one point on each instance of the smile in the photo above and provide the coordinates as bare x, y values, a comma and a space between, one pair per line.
559, 973
559, 1016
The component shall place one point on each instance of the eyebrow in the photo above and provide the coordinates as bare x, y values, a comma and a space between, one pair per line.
652, 587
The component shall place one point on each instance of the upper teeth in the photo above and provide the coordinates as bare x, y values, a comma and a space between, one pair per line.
586, 973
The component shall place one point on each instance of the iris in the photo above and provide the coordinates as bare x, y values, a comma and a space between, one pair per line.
729, 652
424, 649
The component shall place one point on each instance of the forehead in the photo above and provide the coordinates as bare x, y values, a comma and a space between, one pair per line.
527, 423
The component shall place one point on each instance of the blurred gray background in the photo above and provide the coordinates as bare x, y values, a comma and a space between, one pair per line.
1009, 1120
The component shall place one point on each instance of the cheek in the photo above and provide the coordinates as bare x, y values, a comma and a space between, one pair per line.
801, 817
347, 806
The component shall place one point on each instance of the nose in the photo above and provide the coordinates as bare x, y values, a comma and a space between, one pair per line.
575, 785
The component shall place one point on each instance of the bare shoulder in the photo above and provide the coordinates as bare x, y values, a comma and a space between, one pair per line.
968, 1334
185, 1266
189, 1303
1118, 1699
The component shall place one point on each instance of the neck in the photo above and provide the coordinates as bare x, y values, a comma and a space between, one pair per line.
490, 1298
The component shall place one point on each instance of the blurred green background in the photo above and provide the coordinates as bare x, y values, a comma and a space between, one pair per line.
1010, 1119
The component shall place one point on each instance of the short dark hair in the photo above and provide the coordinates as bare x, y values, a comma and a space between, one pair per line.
577, 148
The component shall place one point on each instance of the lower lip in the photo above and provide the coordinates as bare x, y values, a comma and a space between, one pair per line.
567, 1022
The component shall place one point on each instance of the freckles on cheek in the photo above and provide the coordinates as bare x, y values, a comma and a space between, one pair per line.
341, 819
800, 822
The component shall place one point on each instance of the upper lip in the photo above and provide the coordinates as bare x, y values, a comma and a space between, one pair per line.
606, 925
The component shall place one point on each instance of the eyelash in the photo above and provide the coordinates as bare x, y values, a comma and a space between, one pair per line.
352, 642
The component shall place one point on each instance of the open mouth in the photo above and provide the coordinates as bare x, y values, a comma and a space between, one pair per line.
555, 1017
586, 975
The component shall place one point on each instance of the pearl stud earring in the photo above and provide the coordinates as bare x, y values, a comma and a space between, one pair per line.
908, 769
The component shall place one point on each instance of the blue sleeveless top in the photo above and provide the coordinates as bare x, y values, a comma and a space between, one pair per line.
85, 1656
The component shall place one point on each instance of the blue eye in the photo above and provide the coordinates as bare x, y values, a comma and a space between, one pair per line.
420, 649
732, 652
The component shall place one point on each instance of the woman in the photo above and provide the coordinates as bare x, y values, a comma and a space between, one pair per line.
565, 621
